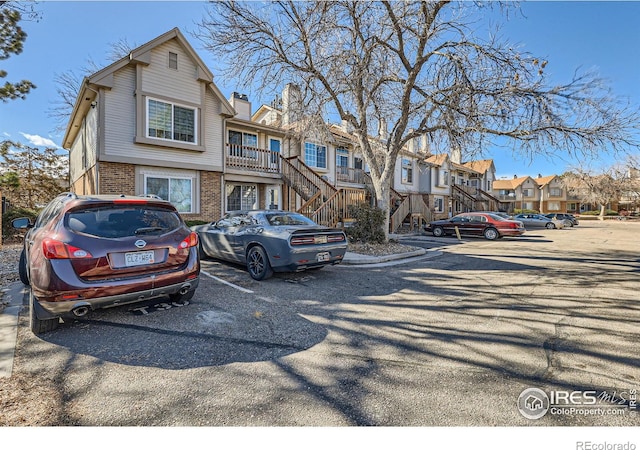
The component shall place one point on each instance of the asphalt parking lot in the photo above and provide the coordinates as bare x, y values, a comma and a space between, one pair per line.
445, 341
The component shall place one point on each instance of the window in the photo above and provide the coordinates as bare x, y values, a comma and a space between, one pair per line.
555, 192
241, 144
178, 191
358, 163
407, 171
169, 121
315, 155
241, 197
438, 204
173, 60
553, 206
342, 161
527, 193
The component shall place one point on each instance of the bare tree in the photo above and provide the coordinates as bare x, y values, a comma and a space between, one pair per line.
68, 83
600, 189
419, 67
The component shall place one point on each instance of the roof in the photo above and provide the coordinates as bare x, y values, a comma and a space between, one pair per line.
437, 160
141, 55
481, 166
543, 181
509, 184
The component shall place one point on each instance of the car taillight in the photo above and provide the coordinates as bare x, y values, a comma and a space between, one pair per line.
303, 240
54, 249
190, 241
335, 238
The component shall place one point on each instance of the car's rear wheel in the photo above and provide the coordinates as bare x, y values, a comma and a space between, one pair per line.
39, 326
550, 225
22, 268
258, 264
491, 234
438, 231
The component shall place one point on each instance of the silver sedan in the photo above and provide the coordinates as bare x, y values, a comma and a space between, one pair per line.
271, 240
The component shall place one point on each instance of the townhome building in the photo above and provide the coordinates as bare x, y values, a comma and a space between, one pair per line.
553, 194
519, 193
152, 123
155, 123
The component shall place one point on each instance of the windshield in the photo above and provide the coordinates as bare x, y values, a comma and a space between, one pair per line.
285, 218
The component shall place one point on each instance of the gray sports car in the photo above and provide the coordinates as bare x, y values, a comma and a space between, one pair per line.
271, 240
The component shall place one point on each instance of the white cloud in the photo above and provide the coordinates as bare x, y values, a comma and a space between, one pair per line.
6, 134
39, 141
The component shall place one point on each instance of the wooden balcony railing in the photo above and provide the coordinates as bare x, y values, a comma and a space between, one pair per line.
252, 159
350, 175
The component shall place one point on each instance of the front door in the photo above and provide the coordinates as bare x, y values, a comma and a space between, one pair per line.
272, 201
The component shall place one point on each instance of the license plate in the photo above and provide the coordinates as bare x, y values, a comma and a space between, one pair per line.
320, 239
324, 256
138, 258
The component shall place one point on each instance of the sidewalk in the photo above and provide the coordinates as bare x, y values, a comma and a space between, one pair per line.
14, 295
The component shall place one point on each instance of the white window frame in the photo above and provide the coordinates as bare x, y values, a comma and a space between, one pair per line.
407, 171
173, 106
192, 180
312, 146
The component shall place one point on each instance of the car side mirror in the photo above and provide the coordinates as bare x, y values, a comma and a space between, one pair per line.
21, 223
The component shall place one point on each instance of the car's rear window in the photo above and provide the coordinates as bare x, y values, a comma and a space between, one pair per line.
110, 222
283, 218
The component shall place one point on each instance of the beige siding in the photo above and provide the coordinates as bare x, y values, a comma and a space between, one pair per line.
85, 142
120, 115
180, 83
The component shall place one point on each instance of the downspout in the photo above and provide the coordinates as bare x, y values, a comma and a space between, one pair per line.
98, 141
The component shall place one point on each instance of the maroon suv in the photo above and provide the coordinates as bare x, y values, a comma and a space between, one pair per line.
89, 252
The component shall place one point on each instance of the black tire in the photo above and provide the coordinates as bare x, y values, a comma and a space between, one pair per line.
258, 264
22, 268
39, 326
438, 232
550, 226
201, 251
491, 234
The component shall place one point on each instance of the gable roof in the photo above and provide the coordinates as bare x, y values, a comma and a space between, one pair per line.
140, 55
437, 160
510, 184
543, 181
480, 166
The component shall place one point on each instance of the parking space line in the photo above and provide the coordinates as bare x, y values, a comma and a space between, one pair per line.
235, 286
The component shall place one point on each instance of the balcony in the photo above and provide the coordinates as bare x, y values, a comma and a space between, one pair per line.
349, 175
252, 159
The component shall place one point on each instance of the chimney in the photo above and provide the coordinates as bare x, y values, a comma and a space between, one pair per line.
242, 105
456, 155
515, 176
291, 104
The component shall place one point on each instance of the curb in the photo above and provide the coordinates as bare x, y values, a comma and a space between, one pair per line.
357, 259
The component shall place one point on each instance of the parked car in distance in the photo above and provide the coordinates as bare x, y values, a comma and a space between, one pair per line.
569, 219
271, 240
504, 215
90, 252
538, 221
489, 225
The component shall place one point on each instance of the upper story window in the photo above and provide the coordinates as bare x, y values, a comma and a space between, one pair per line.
407, 171
342, 157
170, 121
315, 155
173, 60
527, 192
243, 144
555, 192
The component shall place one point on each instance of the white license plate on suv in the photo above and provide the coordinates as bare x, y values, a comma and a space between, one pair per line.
138, 258
324, 256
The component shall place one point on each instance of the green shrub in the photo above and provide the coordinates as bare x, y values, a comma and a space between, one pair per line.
368, 224
8, 232
192, 223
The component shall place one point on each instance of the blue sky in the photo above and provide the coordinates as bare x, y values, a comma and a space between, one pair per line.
588, 35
